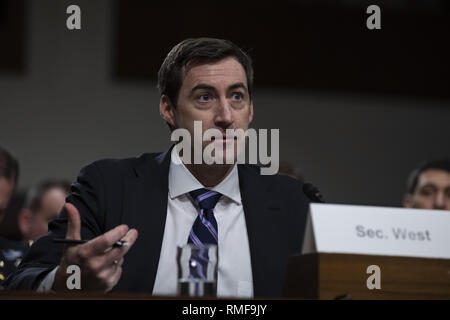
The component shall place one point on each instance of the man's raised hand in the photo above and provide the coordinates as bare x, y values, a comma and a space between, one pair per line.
99, 262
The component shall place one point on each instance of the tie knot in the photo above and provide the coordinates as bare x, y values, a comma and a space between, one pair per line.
205, 199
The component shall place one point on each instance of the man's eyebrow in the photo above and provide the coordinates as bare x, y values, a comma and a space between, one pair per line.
237, 85
429, 185
209, 87
202, 86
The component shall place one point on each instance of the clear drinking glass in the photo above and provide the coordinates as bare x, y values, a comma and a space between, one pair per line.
197, 270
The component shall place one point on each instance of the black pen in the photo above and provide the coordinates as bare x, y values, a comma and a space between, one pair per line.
117, 244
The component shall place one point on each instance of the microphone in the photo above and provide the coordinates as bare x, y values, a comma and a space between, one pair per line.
313, 193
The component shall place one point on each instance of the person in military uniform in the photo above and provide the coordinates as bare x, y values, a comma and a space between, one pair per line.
11, 252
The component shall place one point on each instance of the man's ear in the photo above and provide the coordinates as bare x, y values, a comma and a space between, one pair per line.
24, 218
408, 201
166, 110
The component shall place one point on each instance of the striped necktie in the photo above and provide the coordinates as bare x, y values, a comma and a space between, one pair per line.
203, 232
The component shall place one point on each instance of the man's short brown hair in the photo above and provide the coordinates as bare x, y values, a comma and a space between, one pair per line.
194, 52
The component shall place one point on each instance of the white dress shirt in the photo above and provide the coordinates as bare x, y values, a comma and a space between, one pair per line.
234, 265
234, 277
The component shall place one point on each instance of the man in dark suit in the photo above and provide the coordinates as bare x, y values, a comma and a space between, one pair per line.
257, 221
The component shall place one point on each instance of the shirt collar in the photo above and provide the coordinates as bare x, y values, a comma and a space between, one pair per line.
181, 180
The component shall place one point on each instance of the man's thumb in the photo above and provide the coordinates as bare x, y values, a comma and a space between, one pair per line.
73, 222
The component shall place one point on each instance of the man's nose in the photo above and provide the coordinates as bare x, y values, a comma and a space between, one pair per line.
224, 116
439, 201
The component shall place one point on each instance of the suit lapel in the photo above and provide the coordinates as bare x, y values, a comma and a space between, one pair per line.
146, 210
265, 231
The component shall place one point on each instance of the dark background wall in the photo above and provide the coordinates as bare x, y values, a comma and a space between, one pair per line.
355, 128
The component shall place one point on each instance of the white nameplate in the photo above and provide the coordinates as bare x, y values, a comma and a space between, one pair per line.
377, 231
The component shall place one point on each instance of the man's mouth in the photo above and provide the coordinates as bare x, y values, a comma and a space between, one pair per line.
224, 138
225, 141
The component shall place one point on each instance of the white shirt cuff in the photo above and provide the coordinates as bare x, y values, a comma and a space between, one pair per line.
47, 283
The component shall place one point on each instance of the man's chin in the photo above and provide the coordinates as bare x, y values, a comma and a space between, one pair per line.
227, 148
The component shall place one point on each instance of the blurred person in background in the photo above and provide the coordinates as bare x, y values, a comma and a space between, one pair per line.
43, 205
9, 173
428, 186
9, 228
11, 252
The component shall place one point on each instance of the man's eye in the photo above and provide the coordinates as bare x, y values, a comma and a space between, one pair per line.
237, 96
204, 98
426, 192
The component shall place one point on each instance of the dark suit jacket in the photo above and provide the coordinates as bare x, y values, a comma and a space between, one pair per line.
135, 191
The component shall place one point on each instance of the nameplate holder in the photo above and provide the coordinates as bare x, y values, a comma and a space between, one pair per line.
353, 229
